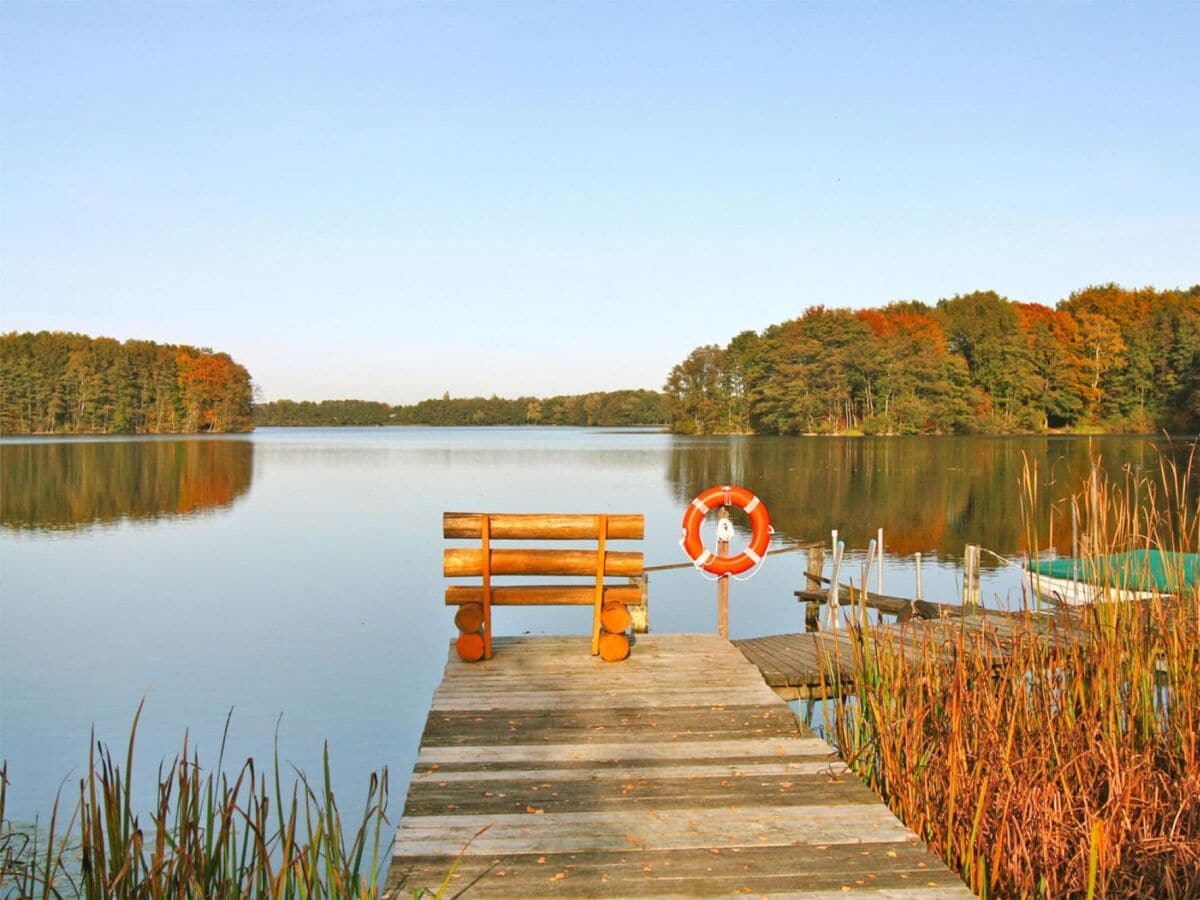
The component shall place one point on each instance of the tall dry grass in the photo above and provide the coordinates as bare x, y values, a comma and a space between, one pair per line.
1060, 755
209, 834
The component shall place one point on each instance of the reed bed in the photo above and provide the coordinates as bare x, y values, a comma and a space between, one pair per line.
1062, 759
210, 834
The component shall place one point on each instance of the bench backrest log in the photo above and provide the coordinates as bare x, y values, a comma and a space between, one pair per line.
485, 561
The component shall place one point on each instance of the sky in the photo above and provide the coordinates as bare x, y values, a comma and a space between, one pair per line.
394, 200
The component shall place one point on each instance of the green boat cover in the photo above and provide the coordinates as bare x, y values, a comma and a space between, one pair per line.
1136, 570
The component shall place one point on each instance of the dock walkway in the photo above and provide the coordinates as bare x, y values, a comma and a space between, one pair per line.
677, 772
792, 664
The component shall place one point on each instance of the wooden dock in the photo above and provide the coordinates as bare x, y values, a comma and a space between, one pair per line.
792, 664
677, 772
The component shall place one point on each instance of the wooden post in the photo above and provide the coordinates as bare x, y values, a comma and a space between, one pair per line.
971, 576
975, 578
866, 582
639, 612
486, 546
597, 608
879, 547
920, 593
723, 580
834, 603
816, 564
966, 582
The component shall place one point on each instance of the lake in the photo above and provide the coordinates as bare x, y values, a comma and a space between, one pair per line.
294, 575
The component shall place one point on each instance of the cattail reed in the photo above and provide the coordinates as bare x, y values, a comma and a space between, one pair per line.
1059, 756
209, 834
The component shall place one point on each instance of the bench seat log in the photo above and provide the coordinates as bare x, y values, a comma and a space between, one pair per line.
542, 526
544, 594
460, 562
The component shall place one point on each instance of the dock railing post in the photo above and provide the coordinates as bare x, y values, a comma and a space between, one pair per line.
917, 560
866, 582
879, 561
723, 528
816, 564
834, 602
971, 577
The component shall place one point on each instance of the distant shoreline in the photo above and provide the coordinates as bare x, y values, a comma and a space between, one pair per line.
652, 429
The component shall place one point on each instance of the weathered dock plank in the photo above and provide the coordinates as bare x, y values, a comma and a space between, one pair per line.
674, 773
800, 665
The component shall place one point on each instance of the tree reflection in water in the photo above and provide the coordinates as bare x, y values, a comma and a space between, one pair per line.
929, 494
62, 485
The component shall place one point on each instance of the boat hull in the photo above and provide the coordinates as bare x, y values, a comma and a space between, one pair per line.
1065, 592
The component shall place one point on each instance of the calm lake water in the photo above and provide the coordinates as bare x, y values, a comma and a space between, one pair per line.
295, 575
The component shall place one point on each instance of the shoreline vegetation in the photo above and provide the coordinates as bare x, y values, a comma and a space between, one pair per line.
213, 832
599, 409
1104, 360
1072, 769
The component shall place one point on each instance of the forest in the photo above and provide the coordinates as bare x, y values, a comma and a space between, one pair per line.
63, 383
1106, 358
603, 408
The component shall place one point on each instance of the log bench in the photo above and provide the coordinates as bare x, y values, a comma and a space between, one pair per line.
609, 602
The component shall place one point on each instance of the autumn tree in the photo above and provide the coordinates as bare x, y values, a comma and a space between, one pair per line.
694, 391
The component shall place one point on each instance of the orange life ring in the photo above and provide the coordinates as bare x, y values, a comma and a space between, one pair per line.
726, 495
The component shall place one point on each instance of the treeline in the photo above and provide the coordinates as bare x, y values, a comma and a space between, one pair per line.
604, 409
1106, 357
57, 382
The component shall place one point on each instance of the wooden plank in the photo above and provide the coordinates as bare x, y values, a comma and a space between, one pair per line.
431, 797
557, 754
615, 770
797, 663
896, 869
760, 825
544, 526
526, 700
542, 594
485, 729
458, 562
782, 665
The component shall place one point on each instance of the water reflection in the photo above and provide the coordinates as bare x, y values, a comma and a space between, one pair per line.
65, 485
928, 494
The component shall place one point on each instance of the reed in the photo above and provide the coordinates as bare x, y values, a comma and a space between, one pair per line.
209, 834
1067, 765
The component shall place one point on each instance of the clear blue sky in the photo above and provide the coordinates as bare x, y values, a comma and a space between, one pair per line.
393, 200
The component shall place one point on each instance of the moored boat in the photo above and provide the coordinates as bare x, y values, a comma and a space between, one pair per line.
1132, 575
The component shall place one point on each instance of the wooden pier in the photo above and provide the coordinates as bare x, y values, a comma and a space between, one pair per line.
801, 665
677, 772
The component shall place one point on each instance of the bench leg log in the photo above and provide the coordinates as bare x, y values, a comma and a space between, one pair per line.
470, 646
613, 647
